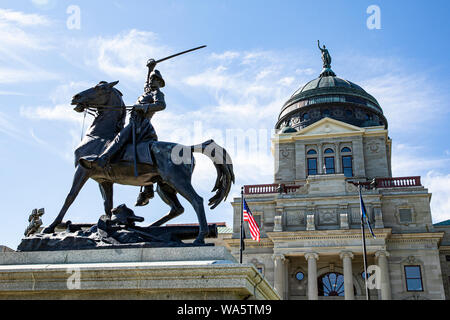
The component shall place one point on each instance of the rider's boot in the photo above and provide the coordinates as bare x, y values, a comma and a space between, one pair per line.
145, 196
114, 147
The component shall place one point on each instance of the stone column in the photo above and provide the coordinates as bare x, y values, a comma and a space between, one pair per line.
300, 161
312, 258
320, 159
347, 257
338, 164
279, 273
286, 277
384, 269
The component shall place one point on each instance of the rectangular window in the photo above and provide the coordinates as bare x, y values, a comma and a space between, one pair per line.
312, 166
413, 276
347, 166
447, 257
405, 215
257, 218
329, 164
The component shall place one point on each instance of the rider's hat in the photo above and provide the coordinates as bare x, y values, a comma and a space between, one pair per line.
156, 74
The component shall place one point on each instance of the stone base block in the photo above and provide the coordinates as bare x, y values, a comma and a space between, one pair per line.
143, 273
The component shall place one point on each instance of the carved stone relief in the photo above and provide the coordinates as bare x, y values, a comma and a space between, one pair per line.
295, 217
327, 216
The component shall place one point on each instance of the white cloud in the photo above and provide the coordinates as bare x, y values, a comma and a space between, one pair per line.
227, 55
7, 127
23, 19
439, 185
10, 75
410, 160
59, 112
125, 55
405, 99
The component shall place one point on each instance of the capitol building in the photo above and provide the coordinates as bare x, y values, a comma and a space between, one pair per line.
330, 135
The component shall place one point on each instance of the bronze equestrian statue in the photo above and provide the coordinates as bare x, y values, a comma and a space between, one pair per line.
139, 127
170, 165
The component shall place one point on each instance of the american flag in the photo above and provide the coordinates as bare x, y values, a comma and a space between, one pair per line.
253, 226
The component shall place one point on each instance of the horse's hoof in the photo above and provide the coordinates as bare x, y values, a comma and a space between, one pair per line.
49, 230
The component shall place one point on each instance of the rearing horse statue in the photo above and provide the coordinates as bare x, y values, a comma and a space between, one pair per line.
170, 165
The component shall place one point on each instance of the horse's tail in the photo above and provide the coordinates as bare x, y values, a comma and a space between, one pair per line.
224, 167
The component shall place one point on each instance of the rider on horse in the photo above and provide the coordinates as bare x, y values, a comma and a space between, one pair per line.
150, 102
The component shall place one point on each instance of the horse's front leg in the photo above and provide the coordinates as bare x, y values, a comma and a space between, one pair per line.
79, 179
106, 188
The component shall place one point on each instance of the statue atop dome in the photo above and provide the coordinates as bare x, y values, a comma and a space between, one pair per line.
326, 58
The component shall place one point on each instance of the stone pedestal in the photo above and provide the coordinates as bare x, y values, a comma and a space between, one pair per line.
138, 273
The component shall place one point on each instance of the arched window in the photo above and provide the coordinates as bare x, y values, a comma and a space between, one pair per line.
329, 161
346, 149
311, 162
347, 162
331, 284
305, 116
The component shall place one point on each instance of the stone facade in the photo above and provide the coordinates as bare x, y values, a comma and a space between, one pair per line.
311, 233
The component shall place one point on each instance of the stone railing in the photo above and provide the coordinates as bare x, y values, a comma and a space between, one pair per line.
269, 188
399, 182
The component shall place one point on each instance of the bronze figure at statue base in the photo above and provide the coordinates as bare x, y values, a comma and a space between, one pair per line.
117, 231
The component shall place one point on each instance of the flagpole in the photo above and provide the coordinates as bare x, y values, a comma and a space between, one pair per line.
363, 243
242, 225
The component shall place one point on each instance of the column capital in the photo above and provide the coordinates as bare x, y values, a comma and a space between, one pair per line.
311, 255
280, 256
344, 254
382, 253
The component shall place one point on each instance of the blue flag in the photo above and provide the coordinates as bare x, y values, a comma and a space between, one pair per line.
364, 214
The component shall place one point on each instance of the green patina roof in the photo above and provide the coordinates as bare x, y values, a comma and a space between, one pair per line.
443, 223
330, 85
288, 130
224, 230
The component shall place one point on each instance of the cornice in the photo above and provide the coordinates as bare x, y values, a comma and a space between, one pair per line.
407, 237
325, 235
235, 243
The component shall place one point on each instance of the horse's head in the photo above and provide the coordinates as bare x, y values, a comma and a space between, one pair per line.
99, 95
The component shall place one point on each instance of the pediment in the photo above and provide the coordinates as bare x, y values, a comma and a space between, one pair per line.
329, 126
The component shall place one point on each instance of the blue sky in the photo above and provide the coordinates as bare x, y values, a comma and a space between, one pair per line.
258, 54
